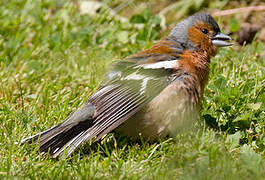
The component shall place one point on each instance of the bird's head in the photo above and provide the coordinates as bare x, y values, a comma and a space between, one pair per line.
200, 32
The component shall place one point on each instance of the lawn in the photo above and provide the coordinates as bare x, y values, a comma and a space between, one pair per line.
53, 57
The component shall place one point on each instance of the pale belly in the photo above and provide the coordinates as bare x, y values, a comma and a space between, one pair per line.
173, 110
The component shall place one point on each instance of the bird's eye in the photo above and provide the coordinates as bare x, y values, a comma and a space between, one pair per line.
205, 31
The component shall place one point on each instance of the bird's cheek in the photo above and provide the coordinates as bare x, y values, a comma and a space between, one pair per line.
214, 51
200, 40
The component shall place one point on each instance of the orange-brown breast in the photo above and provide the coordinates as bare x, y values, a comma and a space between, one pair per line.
197, 65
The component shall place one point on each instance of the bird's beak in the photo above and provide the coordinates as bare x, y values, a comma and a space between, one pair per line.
220, 40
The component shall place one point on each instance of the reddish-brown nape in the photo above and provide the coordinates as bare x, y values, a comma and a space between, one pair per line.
164, 50
162, 47
201, 40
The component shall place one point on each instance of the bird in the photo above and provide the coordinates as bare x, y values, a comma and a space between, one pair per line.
151, 94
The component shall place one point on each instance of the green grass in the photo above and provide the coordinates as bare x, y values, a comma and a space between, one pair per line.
52, 59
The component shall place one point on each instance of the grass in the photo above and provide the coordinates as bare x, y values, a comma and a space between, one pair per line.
52, 59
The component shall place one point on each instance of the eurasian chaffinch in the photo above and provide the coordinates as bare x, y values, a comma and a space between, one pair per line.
154, 93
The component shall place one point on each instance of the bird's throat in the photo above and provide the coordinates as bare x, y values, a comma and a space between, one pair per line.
197, 65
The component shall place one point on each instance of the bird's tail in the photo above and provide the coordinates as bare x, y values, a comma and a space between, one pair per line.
66, 136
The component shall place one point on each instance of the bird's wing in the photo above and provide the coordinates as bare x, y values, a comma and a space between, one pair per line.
129, 87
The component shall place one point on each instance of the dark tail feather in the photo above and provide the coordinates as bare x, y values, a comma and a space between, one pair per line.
68, 135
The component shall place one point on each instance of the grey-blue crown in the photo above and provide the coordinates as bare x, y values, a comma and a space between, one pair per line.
180, 32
